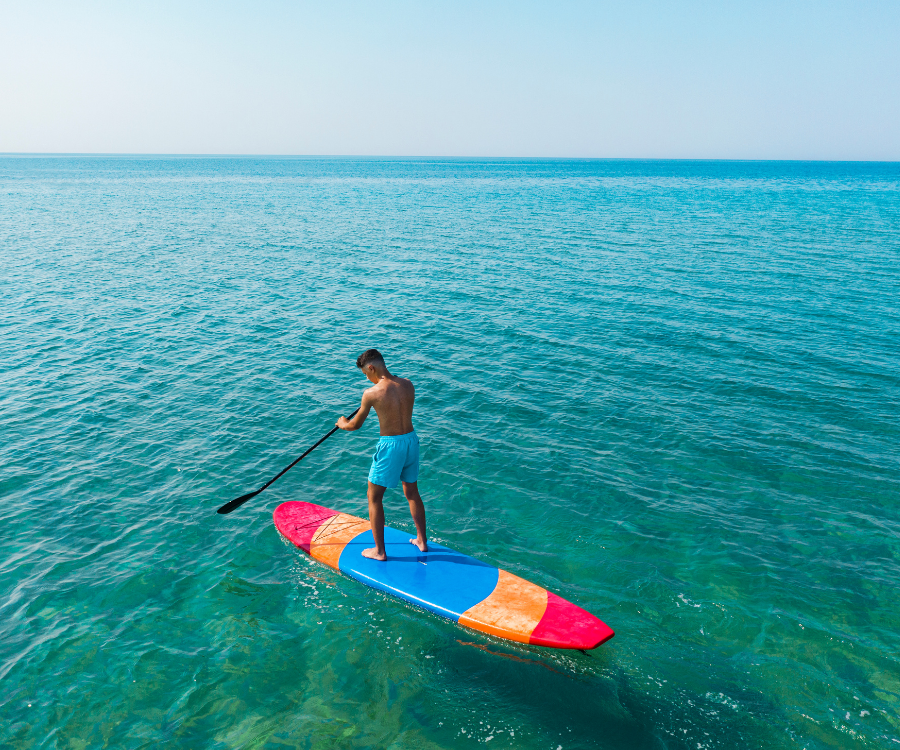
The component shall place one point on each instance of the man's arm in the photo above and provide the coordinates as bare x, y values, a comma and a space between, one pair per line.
354, 424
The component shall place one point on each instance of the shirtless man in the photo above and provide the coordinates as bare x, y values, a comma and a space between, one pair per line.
397, 454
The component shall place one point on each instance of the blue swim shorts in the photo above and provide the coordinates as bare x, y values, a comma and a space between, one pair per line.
396, 458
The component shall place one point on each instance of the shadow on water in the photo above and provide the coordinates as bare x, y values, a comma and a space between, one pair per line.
564, 703
586, 700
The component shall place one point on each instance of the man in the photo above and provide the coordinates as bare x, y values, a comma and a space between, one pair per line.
397, 454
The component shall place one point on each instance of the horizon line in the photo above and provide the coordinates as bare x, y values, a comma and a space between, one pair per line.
187, 155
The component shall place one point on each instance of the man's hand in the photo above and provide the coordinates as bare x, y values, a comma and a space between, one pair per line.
360, 416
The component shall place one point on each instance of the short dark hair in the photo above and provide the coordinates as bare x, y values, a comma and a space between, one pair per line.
369, 356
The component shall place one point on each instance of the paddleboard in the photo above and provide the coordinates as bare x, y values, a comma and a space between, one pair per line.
444, 581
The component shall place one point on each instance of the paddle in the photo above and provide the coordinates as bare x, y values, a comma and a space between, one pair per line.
238, 502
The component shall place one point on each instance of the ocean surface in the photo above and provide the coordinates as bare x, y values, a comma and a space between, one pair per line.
667, 391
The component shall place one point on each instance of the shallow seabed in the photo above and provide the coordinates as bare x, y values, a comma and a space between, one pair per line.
667, 391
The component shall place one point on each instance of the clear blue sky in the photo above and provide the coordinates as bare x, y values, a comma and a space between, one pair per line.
747, 80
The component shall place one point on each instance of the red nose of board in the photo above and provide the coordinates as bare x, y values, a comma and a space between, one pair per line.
299, 521
565, 625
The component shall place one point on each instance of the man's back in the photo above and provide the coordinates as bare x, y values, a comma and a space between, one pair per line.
393, 399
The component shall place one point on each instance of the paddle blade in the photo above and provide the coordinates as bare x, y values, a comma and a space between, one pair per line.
237, 502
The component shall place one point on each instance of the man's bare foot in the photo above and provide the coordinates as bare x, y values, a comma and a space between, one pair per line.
372, 553
423, 546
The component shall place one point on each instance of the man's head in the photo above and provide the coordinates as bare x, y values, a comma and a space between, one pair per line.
372, 364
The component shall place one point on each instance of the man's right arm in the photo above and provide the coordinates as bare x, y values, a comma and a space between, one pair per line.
354, 424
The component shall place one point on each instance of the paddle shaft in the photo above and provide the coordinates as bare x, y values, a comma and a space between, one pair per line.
237, 502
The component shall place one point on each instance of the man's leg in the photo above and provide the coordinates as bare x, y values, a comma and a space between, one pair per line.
417, 510
376, 521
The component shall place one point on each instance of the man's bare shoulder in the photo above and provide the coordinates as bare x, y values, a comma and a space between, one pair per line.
373, 393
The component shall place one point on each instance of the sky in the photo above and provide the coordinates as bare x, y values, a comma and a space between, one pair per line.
756, 79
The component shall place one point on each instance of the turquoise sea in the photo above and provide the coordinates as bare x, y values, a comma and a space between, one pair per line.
667, 391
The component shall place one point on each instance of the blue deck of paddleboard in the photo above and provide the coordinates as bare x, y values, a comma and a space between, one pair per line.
442, 580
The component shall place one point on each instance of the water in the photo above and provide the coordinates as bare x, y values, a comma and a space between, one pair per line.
667, 391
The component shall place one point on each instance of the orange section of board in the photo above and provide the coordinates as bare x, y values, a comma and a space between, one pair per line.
332, 536
512, 611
